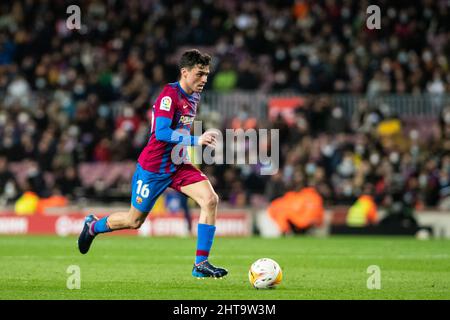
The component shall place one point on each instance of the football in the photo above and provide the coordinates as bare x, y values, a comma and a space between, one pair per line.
265, 273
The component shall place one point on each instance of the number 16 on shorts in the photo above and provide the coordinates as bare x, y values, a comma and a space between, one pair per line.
142, 192
142, 189
147, 187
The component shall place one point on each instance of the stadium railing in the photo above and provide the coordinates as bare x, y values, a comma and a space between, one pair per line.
257, 103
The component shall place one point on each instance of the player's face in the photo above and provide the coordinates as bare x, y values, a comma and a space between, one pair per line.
196, 78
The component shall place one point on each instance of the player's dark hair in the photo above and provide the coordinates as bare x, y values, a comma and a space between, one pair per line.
191, 58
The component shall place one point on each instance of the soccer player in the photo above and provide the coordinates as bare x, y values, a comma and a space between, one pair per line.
173, 114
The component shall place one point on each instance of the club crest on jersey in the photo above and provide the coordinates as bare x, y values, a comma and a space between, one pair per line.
138, 200
166, 102
186, 119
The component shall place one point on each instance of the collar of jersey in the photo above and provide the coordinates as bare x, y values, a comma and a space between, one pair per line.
189, 96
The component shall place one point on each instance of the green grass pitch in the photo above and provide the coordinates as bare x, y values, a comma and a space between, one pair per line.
126, 267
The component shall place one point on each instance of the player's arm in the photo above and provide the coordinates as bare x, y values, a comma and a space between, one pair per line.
164, 132
164, 113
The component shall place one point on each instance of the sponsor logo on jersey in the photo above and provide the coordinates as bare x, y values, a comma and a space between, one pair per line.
166, 102
186, 120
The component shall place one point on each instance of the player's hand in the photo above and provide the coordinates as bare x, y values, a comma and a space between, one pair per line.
209, 138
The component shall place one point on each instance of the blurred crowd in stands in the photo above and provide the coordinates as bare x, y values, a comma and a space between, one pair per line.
69, 97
